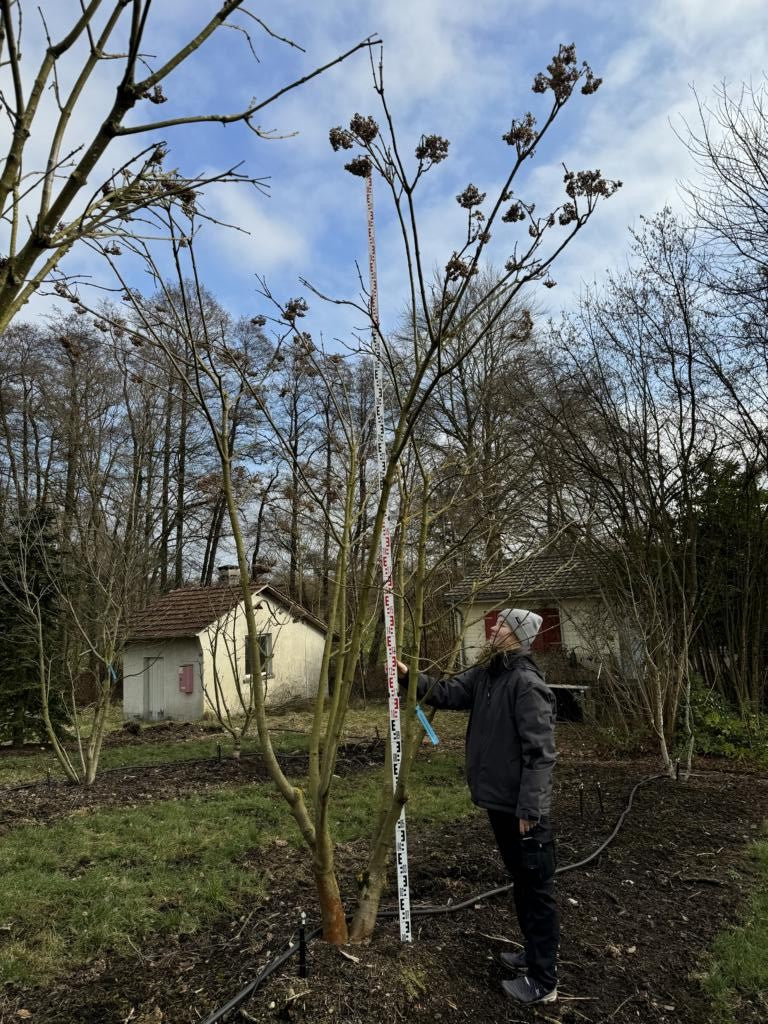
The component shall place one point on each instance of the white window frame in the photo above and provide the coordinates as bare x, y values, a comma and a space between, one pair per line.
267, 671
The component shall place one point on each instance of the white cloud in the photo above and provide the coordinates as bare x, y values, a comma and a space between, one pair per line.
462, 70
263, 241
629, 130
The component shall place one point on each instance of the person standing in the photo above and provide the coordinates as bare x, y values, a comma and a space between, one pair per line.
510, 755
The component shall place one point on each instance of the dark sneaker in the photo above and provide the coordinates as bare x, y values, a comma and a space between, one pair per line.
526, 990
513, 961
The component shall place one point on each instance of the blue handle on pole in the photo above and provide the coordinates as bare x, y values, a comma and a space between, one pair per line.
113, 673
427, 726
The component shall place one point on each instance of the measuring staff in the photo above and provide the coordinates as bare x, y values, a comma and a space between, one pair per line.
510, 754
385, 558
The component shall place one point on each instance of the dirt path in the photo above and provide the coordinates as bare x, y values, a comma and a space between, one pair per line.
635, 924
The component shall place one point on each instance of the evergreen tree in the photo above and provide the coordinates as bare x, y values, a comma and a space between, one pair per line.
29, 611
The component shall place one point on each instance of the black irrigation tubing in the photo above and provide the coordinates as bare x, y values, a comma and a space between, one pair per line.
424, 911
365, 746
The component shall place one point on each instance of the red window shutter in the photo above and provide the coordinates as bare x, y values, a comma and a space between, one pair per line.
490, 622
186, 678
549, 637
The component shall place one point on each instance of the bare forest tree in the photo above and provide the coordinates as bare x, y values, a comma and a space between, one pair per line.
479, 417
638, 417
728, 202
48, 207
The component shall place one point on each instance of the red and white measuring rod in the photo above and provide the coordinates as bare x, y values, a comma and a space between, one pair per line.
401, 847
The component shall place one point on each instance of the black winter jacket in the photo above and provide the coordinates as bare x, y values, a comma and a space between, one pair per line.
511, 732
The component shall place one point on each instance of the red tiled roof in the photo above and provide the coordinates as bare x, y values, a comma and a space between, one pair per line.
187, 611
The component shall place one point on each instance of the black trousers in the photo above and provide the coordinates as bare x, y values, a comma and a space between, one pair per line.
531, 862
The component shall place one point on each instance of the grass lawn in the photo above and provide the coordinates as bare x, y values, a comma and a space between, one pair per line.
104, 881
739, 960
288, 733
37, 767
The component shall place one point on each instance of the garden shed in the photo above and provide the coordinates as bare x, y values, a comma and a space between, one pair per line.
195, 639
564, 590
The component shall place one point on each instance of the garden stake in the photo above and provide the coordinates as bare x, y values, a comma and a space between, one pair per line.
218, 753
303, 946
581, 800
600, 797
401, 848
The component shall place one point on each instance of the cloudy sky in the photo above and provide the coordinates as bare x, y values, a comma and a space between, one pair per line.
459, 70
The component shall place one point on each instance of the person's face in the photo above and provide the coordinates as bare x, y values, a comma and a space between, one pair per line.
502, 637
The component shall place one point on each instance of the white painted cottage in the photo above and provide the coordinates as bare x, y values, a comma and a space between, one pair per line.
563, 589
190, 648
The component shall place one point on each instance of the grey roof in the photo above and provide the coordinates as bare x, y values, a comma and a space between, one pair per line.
541, 577
189, 610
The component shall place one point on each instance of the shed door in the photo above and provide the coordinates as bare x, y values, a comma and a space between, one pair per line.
153, 688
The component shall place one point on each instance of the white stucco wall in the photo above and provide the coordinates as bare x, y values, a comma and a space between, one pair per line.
159, 697
151, 669
587, 628
297, 652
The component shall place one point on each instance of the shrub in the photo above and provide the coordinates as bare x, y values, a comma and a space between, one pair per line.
722, 731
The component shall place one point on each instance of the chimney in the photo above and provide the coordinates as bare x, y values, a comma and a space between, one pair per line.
229, 575
259, 569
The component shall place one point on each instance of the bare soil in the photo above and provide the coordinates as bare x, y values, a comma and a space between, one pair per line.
635, 923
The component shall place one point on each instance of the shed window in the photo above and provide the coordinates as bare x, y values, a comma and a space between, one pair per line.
264, 641
490, 622
549, 637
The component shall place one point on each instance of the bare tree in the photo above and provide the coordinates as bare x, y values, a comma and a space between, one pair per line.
235, 713
92, 593
219, 372
47, 209
729, 196
637, 419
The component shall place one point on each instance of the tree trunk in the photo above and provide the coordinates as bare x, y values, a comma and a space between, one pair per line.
212, 540
95, 740
325, 571
375, 875
331, 909
18, 729
364, 921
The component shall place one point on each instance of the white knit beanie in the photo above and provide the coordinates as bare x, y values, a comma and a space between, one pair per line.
523, 623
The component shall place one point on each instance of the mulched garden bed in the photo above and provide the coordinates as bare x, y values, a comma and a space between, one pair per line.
125, 787
132, 734
635, 924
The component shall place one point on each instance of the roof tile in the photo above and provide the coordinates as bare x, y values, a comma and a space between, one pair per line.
187, 611
545, 576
